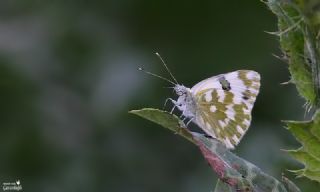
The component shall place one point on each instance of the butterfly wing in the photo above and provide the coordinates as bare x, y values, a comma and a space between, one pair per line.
224, 104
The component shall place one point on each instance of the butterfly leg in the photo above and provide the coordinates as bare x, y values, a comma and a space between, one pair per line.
190, 120
165, 103
183, 118
172, 109
174, 104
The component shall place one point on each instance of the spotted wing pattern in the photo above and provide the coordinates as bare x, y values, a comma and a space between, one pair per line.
225, 103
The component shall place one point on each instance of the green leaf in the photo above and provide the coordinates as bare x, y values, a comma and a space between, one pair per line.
308, 134
164, 119
299, 34
297, 46
223, 187
235, 173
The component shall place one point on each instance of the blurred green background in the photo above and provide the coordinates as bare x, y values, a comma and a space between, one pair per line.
68, 77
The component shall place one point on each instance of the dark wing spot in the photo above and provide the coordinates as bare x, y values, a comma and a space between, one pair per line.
208, 136
245, 97
224, 84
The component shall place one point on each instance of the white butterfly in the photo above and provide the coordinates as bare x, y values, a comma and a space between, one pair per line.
220, 105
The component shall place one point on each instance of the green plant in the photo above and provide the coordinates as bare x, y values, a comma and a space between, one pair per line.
299, 33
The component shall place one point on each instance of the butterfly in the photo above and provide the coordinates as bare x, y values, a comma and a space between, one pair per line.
220, 105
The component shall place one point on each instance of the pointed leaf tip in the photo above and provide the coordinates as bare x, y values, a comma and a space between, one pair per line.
308, 134
165, 119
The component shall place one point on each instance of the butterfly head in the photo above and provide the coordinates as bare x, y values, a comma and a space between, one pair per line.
184, 95
181, 90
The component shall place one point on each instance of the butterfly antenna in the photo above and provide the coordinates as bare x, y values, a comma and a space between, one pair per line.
165, 65
155, 75
168, 87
